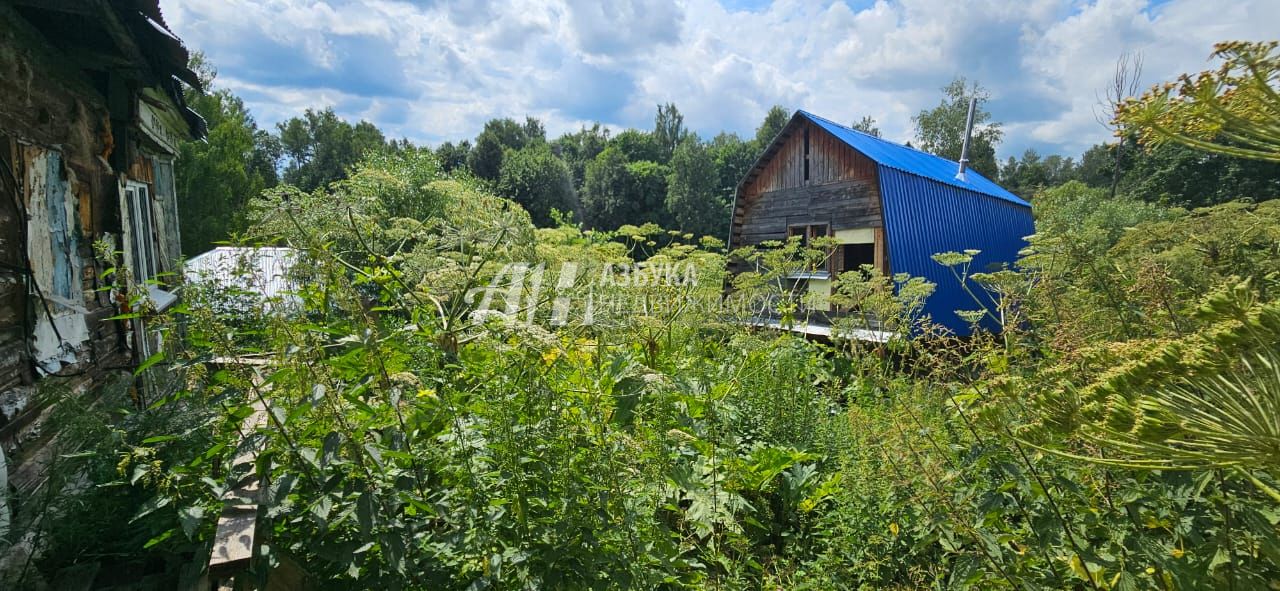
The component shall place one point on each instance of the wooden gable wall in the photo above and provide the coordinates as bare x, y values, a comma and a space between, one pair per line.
841, 190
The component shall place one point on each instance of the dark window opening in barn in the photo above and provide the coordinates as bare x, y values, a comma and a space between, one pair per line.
807, 233
854, 256
801, 231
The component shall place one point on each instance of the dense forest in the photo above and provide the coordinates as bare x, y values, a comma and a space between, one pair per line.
1118, 429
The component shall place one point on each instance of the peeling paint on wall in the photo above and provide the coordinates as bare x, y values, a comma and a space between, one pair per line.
53, 246
15, 401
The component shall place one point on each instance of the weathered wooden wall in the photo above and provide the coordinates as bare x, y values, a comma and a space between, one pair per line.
16, 378
55, 126
841, 189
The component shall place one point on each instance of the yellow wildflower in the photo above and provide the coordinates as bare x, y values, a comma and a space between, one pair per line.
550, 356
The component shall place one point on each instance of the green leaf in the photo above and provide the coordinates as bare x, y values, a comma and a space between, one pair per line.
152, 360
190, 518
626, 395
322, 507
150, 507
364, 512
160, 538
278, 413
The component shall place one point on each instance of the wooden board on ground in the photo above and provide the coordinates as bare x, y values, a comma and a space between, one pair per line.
234, 542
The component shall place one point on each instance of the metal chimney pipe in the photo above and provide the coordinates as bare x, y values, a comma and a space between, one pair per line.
968, 131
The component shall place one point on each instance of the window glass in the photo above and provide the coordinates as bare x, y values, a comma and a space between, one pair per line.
145, 233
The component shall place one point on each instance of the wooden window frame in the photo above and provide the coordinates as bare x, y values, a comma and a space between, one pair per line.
143, 248
806, 232
143, 255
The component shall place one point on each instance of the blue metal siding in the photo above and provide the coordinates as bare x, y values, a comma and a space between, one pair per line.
923, 217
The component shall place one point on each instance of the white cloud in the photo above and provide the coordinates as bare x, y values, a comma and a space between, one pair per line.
435, 71
622, 29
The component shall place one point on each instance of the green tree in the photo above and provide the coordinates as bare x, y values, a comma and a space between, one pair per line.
453, 156
733, 157
1032, 173
637, 145
940, 130
1060, 169
321, 147
1175, 174
402, 145
605, 190
617, 192
691, 191
646, 188
485, 160
499, 136
772, 125
216, 178
579, 148
1098, 163
533, 177
867, 125
668, 130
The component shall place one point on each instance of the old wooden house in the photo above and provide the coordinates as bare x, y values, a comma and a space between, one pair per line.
91, 116
884, 204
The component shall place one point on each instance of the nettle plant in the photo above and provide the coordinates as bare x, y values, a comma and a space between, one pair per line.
413, 440
452, 403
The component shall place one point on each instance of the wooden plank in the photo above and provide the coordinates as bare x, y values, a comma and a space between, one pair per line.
748, 239
824, 158
882, 260
835, 211
841, 189
233, 542
821, 330
234, 539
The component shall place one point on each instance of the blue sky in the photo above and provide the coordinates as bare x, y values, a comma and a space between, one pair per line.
436, 70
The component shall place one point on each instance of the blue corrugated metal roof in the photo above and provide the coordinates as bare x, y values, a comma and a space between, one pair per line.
910, 160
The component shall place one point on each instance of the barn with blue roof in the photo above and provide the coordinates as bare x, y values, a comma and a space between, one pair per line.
885, 205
